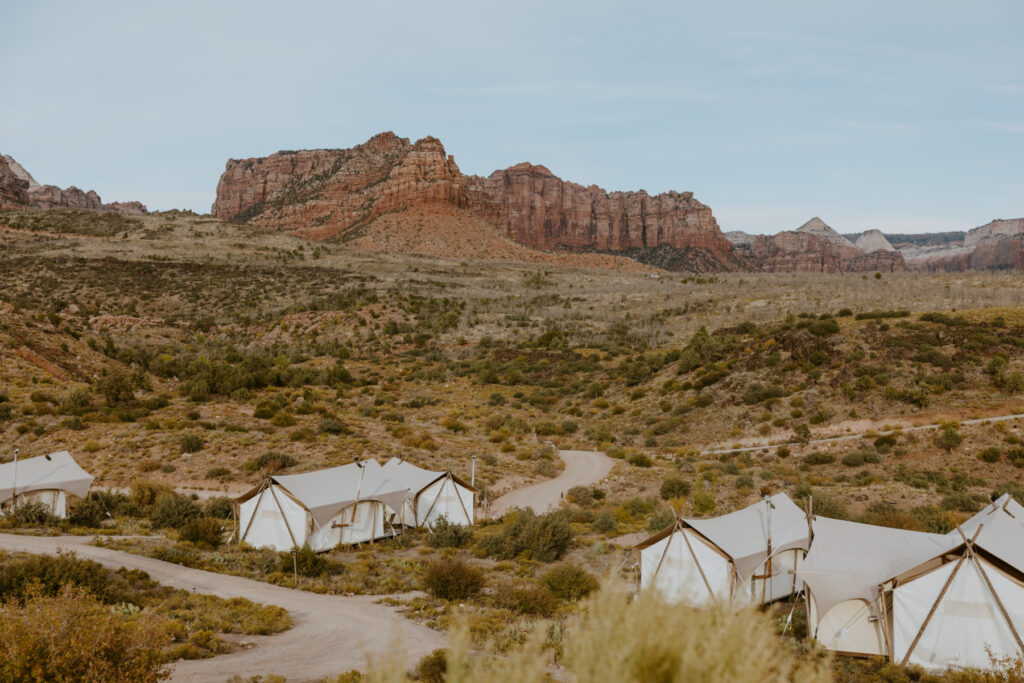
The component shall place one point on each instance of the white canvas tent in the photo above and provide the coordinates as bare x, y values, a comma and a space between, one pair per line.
45, 479
354, 503
434, 495
749, 555
964, 607
842, 574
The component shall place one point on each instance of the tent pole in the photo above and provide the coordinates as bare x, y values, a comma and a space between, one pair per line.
885, 623
284, 517
458, 495
664, 554
700, 568
991, 588
931, 612
241, 538
431, 508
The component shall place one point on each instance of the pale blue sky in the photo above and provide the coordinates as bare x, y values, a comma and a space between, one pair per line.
905, 116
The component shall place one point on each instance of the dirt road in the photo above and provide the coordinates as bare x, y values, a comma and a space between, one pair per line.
581, 469
331, 635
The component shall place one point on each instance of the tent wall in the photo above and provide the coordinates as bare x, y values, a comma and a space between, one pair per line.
966, 624
783, 581
669, 567
849, 627
55, 501
444, 498
361, 522
273, 519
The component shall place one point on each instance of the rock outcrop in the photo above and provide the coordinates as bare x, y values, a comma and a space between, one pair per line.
814, 247
323, 194
13, 189
873, 240
997, 245
19, 189
20, 171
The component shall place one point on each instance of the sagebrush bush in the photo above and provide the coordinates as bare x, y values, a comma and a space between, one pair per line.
190, 443
674, 487
31, 514
569, 582
204, 532
271, 462
452, 579
87, 512
660, 520
444, 534
173, 511
304, 560
541, 537
525, 599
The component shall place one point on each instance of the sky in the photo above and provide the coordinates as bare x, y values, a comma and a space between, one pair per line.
905, 116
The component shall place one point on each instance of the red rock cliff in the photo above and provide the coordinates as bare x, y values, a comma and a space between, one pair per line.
13, 189
323, 193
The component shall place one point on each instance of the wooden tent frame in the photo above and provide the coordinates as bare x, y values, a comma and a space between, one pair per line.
446, 476
682, 526
966, 551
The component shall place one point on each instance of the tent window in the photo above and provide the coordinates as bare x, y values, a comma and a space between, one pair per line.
971, 610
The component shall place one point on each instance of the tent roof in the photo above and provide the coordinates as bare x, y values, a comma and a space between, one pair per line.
849, 560
37, 474
1002, 531
416, 478
326, 492
743, 534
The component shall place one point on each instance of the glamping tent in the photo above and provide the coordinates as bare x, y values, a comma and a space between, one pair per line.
354, 503
46, 479
751, 555
434, 495
842, 573
965, 606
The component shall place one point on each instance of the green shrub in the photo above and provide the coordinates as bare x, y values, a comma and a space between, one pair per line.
190, 443
204, 532
283, 419
581, 495
640, 460
605, 522
858, 458
961, 501
305, 560
674, 487
218, 507
991, 454
818, 458
660, 520
87, 512
544, 538
530, 599
31, 514
433, 668
569, 582
703, 502
452, 579
173, 511
950, 438
758, 393
271, 462
444, 534
332, 425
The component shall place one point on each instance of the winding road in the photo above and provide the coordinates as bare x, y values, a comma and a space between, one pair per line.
582, 468
332, 634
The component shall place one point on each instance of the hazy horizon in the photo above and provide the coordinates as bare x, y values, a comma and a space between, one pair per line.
904, 118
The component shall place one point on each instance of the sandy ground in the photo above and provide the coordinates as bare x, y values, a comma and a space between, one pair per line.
331, 635
581, 469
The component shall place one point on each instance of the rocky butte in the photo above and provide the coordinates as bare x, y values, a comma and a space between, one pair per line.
333, 194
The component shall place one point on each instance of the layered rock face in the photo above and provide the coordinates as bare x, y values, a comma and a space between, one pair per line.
538, 209
816, 248
997, 245
13, 189
326, 193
